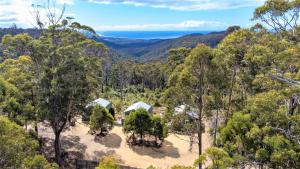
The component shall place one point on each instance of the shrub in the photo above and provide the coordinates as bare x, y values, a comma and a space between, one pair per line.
38, 162
108, 162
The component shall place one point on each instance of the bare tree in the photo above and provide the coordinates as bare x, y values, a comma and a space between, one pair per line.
47, 14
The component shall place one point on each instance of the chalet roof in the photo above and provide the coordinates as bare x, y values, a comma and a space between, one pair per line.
138, 105
191, 112
101, 102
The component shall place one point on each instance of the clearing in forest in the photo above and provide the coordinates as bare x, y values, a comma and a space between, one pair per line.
174, 151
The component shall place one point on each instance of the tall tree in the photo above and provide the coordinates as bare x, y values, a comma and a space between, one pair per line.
65, 78
192, 84
280, 15
234, 48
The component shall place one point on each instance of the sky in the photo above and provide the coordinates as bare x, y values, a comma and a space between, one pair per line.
139, 15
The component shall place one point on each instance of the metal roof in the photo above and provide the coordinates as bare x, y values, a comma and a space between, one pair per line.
191, 112
138, 105
101, 102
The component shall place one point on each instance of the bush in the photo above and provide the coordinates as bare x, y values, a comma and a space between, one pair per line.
108, 162
181, 167
38, 162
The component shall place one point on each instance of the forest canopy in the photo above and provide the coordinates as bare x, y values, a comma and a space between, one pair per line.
247, 87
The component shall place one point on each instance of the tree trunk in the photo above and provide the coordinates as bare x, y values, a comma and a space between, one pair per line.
215, 128
200, 139
230, 93
141, 137
57, 149
25, 123
36, 127
200, 108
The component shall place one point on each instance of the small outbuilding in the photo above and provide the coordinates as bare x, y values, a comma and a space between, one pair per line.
99, 102
136, 106
191, 112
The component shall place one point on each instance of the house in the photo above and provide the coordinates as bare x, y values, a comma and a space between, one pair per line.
98, 102
136, 106
191, 112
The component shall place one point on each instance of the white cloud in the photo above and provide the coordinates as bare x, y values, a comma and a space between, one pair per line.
68, 2
190, 24
21, 11
186, 4
14, 11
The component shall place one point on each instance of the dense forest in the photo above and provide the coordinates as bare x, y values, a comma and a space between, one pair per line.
247, 86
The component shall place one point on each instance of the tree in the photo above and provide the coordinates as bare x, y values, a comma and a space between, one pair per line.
234, 48
101, 120
220, 158
8, 95
15, 46
280, 15
158, 130
16, 145
138, 122
19, 72
192, 84
65, 78
176, 57
252, 138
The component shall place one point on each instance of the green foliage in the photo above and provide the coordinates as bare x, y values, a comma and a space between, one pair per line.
138, 122
101, 119
158, 129
38, 162
108, 162
17, 147
281, 15
141, 123
19, 72
220, 158
181, 167
15, 46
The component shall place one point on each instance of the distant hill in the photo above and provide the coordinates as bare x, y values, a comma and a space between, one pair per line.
14, 31
140, 50
157, 49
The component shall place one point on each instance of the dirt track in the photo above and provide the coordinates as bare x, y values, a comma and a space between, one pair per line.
175, 149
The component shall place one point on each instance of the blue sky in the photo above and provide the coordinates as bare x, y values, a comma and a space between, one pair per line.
140, 14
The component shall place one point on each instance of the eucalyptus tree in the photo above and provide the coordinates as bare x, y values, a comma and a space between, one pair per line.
280, 15
19, 149
66, 78
191, 84
101, 120
234, 47
19, 72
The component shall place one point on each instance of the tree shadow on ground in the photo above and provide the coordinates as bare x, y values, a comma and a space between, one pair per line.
97, 155
167, 150
71, 149
47, 147
111, 140
73, 142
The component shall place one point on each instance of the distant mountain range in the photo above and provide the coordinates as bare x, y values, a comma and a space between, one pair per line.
141, 50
